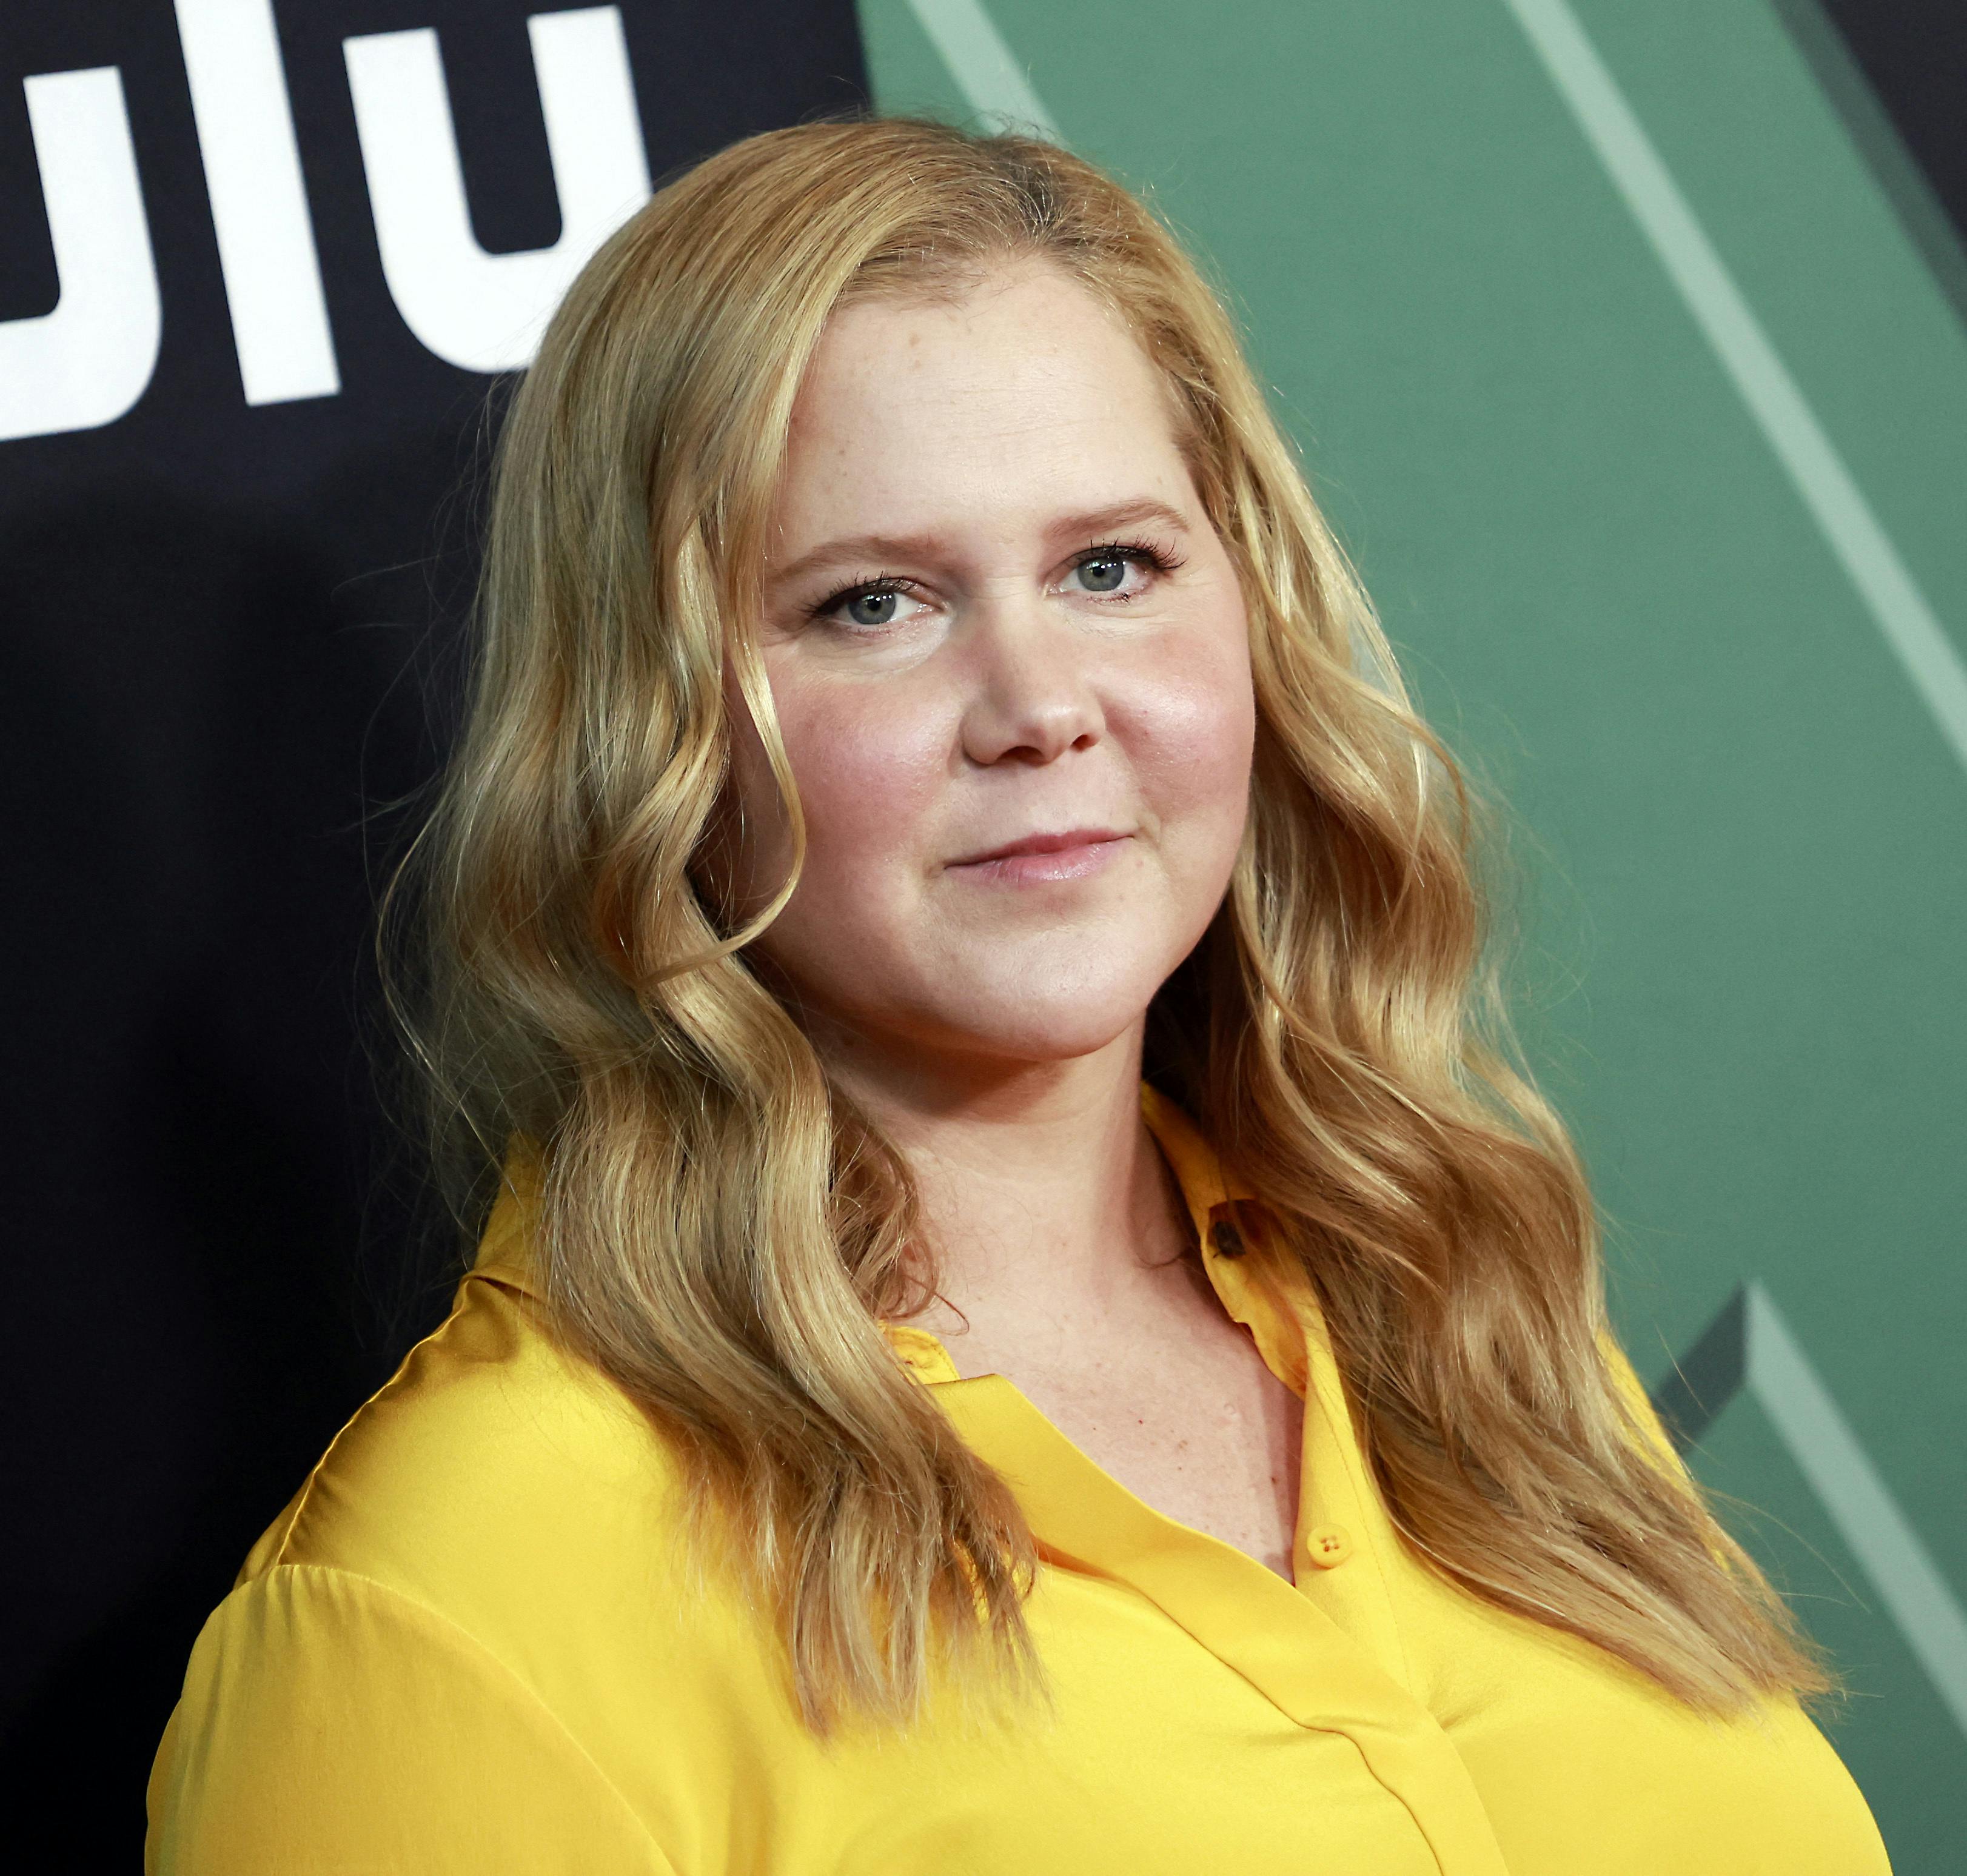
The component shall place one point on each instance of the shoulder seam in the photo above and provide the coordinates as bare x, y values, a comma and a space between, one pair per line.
470, 1644
296, 1512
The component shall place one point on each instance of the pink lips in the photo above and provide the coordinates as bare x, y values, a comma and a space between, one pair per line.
1041, 857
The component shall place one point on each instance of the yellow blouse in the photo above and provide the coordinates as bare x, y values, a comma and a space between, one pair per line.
469, 1644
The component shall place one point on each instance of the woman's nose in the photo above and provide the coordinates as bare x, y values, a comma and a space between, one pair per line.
1033, 696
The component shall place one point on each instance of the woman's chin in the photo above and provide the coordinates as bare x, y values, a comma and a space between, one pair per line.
1035, 1031
1005, 1009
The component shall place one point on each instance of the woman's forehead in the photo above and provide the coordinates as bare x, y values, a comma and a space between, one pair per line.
1029, 388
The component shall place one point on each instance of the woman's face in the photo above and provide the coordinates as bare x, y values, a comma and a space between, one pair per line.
1010, 663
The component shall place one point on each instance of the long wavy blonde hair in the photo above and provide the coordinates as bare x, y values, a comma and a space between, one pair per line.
721, 1232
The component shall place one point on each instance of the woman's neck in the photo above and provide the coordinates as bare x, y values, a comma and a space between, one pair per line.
1045, 1196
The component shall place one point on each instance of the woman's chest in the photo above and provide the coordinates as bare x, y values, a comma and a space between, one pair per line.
1198, 1427
1214, 1445
1202, 1736
1148, 1755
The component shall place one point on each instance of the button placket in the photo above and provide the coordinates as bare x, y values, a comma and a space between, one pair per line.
1344, 1534
1292, 1652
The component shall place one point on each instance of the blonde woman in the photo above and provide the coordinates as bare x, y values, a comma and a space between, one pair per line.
1024, 1327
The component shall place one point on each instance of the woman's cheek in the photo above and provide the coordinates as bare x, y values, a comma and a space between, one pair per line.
1195, 722
866, 765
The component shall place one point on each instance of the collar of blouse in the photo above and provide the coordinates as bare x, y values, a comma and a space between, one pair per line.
1230, 1224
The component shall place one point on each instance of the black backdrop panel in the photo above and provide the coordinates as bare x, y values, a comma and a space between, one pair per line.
215, 670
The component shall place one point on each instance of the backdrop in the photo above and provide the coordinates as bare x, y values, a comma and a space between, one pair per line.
261, 268
1625, 347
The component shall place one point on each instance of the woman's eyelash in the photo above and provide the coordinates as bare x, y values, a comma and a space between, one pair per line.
871, 586
879, 586
1162, 559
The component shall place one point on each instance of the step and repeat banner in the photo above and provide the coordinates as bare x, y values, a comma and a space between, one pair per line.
262, 267
1624, 345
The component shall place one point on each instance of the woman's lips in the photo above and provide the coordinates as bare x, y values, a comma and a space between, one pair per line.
1039, 858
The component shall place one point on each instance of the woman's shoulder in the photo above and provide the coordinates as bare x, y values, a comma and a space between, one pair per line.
492, 1462
489, 1566
475, 1570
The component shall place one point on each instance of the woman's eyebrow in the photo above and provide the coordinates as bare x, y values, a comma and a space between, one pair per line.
878, 547
1132, 514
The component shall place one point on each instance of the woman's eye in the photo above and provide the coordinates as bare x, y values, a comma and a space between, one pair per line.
1105, 574
872, 609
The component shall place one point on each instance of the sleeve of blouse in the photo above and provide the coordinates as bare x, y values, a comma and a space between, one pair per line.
329, 1723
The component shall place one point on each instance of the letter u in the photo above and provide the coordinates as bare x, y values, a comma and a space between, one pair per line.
90, 359
486, 312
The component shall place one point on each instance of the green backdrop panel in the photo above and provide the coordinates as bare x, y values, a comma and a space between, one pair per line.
1743, 832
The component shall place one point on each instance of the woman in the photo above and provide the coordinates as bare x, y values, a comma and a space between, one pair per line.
881, 1432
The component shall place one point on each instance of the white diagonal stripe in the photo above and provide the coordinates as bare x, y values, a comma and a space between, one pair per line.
1867, 1517
993, 82
1906, 622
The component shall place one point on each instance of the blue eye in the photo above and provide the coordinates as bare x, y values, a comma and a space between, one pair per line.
1104, 574
872, 609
